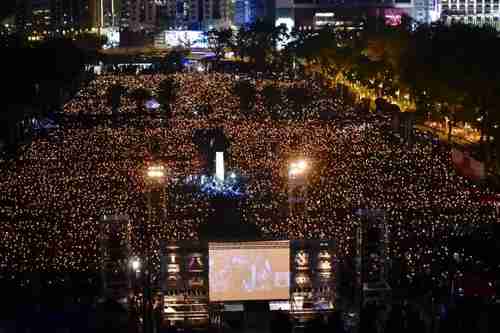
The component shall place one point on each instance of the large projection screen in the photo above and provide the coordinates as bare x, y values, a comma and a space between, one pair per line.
249, 271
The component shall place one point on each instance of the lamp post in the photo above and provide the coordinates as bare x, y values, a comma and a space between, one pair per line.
297, 168
297, 180
136, 265
155, 177
134, 271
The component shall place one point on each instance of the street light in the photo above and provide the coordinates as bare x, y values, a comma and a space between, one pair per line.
297, 182
136, 265
298, 168
156, 172
156, 176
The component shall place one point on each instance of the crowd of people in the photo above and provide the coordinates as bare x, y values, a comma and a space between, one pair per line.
54, 195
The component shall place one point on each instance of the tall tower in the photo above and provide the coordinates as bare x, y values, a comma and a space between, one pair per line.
242, 14
139, 14
196, 14
106, 13
70, 14
297, 184
481, 12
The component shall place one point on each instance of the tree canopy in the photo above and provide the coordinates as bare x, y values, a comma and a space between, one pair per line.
174, 61
246, 92
220, 40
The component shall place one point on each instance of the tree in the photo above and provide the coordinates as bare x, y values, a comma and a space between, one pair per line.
167, 93
299, 97
246, 92
318, 50
258, 42
272, 98
444, 71
140, 96
219, 41
174, 61
483, 101
90, 41
114, 95
62, 68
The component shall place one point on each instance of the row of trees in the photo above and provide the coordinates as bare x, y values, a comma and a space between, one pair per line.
441, 72
255, 43
296, 98
165, 95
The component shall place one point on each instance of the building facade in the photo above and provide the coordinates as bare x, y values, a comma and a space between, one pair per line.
249, 11
304, 12
41, 20
478, 12
139, 15
54, 17
23, 16
106, 13
195, 14
70, 14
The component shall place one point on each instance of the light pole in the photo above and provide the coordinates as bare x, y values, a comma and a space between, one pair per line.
297, 180
136, 265
135, 271
298, 168
155, 177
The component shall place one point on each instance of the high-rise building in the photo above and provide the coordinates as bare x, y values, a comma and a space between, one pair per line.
304, 12
41, 18
139, 15
195, 14
478, 12
23, 16
242, 12
54, 17
106, 13
70, 14
249, 11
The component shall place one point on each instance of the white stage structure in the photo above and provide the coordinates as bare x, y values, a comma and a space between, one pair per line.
219, 166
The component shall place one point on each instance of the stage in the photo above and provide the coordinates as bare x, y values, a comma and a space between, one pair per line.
245, 286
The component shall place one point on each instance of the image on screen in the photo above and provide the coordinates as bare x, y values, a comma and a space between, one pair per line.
249, 271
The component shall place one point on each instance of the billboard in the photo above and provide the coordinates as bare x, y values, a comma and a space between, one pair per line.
186, 38
249, 271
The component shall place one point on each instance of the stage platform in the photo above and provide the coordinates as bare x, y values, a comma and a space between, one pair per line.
187, 294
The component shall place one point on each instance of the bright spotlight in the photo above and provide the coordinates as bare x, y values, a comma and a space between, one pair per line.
297, 168
301, 165
136, 265
156, 172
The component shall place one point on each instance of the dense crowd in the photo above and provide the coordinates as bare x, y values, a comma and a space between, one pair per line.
55, 193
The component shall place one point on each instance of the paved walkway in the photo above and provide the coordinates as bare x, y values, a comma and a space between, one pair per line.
443, 136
